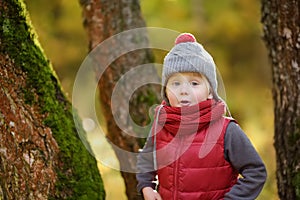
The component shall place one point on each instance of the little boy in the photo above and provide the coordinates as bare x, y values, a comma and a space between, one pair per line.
195, 151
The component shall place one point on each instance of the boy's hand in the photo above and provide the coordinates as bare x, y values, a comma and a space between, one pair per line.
150, 194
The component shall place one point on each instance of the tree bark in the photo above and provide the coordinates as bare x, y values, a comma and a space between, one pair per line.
281, 25
103, 19
41, 154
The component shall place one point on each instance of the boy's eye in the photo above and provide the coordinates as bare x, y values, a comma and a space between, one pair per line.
195, 83
176, 83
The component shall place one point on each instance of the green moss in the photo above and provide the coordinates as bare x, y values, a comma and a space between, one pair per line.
296, 183
148, 99
296, 177
79, 175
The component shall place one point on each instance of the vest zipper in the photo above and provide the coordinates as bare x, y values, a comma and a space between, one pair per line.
176, 168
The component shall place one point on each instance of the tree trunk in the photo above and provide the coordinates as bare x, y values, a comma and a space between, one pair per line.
281, 20
103, 19
41, 154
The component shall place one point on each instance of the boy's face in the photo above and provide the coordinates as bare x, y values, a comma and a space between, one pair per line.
187, 89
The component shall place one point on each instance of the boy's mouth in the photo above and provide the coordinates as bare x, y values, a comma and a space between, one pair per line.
185, 103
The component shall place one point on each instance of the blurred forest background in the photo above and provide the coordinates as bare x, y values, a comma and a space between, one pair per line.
229, 29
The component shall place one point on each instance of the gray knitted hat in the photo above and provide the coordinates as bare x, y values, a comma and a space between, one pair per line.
189, 56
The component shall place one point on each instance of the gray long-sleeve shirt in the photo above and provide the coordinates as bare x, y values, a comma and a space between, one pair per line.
238, 151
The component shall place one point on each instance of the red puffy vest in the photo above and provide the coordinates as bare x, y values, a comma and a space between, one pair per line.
192, 166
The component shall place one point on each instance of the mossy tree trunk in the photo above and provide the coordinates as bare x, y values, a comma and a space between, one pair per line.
104, 19
281, 20
41, 154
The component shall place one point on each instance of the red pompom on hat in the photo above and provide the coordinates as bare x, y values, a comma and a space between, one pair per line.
185, 37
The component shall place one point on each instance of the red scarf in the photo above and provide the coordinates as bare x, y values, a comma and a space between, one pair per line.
190, 119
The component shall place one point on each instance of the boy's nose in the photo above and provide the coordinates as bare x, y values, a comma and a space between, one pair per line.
184, 89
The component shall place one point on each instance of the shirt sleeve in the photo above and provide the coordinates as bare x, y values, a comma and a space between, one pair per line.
240, 152
145, 167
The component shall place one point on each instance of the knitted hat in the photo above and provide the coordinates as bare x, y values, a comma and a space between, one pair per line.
189, 56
